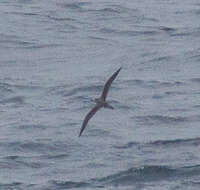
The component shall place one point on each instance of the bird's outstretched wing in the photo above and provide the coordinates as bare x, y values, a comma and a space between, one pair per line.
88, 117
108, 83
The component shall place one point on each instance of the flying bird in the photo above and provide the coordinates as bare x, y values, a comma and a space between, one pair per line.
100, 102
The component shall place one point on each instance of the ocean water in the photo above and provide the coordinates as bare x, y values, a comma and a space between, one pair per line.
55, 57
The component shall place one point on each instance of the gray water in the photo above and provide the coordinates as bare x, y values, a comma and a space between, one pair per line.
55, 57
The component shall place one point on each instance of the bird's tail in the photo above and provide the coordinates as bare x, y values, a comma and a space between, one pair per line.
108, 106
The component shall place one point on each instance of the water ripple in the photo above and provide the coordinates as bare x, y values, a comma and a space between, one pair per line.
15, 100
133, 177
161, 143
153, 83
182, 142
160, 119
68, 184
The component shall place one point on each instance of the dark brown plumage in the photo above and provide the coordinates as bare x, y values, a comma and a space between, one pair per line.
101, 102
108, 84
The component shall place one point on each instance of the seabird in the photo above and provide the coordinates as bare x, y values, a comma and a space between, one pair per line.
100, 102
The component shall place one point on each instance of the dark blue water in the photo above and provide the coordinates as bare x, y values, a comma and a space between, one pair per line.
55, 57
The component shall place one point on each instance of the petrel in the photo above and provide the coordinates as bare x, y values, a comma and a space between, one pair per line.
100, 102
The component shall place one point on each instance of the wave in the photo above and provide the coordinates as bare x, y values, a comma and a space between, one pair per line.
127, 145
71, 91
107, 10
35, 147
5, 88
173, 142
132, 177
197, 80
15, 100
160, 119
153, 83
19, 161
68, 184
150, 173
12, 88
167, 29
13, 185
192, 141
55, 156
32, 126
76, 6
16, 43
92, 88
127, 33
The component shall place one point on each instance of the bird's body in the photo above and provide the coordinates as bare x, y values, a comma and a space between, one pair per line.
100, 102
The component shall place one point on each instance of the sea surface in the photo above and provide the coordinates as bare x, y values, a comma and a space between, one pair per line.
55, 57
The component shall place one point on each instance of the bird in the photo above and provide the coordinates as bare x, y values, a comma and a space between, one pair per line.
100, 102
